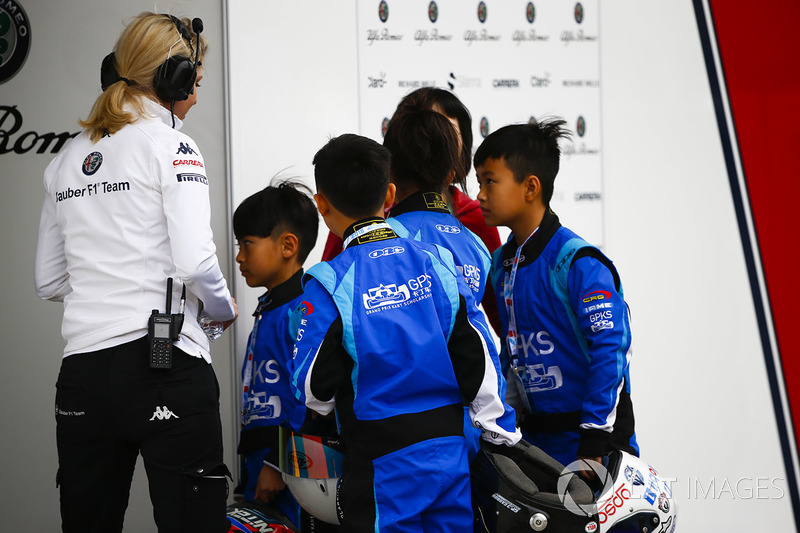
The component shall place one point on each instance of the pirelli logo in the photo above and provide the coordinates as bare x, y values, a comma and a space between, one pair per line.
193, 177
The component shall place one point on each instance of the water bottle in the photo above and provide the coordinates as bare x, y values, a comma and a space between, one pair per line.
212, 328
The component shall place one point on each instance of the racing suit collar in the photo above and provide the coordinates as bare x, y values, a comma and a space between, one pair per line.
379, 234
279, 295
421, 201
535, 245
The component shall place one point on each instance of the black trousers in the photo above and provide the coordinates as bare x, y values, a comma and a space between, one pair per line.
110, 407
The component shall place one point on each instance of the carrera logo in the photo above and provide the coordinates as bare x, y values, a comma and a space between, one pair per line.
187, 163
595, 296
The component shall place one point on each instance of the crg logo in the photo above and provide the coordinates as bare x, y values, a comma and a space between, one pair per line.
448, 229
595, 296
383, 252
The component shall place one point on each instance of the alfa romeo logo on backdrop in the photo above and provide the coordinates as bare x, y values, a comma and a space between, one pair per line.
433, 11
581, 126
384, 126
530, 12
484, 127
15, 39
482, 12
578, 13
383, 11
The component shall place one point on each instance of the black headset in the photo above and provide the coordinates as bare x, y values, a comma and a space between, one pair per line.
174, 79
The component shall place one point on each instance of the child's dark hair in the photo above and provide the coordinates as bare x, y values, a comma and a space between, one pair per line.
282, 206
431, 97
353, 173
528, 149
424, 147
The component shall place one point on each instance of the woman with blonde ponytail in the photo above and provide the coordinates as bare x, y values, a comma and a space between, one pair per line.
125, 225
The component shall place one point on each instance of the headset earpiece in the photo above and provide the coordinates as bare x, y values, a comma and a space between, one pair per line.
174, 79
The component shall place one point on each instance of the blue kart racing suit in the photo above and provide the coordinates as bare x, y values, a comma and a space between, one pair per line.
574, 345
267, 399
425, 217
385, 339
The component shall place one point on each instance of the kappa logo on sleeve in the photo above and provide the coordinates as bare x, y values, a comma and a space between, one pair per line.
185, 149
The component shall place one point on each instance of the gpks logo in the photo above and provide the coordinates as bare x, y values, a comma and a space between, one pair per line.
15, 39
92, 163
388, 296
384, 295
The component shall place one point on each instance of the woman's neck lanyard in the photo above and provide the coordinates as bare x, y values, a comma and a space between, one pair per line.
363, 231
508, 296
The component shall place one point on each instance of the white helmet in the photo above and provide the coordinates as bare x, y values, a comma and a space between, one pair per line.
311, 467
521, 489
639, 500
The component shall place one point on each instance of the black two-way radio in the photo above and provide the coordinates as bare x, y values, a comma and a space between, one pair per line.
163, 329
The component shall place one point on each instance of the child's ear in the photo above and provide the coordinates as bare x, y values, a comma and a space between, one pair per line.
323, 206
533, 187
289, 244
390, 193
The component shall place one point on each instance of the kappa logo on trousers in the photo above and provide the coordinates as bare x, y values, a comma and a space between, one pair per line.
163, 414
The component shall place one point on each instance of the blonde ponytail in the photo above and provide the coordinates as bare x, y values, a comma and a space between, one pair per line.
143, 46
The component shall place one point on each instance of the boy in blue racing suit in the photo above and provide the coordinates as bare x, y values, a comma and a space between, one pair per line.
385, 339
275, 229
560, 299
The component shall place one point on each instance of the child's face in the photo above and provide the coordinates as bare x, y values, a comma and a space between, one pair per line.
260, 260
502, 199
